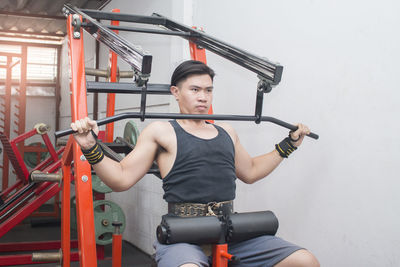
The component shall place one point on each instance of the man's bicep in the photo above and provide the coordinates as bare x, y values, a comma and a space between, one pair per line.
243, 162
140, 159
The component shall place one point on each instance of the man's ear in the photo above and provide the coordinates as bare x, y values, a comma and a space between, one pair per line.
174, 91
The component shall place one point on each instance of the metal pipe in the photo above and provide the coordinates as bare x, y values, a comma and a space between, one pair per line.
125, 74
130, 115
38, 176
16, 196
47, 256
10, 211
97, 72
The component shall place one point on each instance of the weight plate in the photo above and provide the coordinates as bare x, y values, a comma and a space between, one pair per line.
105, 213
131, 132
98, 185
31, 158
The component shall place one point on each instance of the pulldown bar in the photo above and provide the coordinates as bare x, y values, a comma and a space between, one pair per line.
179, 116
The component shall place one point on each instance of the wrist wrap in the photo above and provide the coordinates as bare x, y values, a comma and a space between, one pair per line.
285, 148
94, 154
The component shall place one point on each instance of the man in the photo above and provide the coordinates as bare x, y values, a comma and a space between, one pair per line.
199, 163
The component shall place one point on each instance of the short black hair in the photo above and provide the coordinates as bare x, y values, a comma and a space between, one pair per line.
190, 67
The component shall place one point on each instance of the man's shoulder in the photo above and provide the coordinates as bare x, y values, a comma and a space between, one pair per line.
226, 126
229, 129
158, 128
158, 125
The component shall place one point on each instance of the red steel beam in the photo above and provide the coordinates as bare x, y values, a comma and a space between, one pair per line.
33, 246
83, 183
113, 78
7, 191
27, 209
22, 97
66, 214
24, 259
7, 119
50, 147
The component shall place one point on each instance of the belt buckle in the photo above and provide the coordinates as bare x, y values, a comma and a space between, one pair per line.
210, 207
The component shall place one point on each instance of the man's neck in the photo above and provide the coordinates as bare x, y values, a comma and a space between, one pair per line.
192, 123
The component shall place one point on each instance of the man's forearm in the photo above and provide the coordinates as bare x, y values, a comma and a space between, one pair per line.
110, 172
263, 165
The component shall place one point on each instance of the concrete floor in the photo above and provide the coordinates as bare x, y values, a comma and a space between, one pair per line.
131, 256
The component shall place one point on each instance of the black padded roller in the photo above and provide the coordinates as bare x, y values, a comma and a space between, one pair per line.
194, 230
244, 226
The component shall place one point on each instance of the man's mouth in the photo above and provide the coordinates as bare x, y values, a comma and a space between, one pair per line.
201, 107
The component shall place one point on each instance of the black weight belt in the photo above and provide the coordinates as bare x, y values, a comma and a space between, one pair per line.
198, 209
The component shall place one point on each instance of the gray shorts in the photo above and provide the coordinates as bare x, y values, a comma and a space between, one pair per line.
263, 251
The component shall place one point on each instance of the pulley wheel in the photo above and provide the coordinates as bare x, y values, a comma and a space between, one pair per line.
131, 132
31, 158
105, 213
98, 185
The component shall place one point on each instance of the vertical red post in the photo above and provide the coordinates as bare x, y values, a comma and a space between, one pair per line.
83, 182
220, 252
7, 118
22, 97
66, 205
117, 250
111, 96
199, 54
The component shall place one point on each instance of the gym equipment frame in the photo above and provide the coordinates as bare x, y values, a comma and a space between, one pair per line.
268, 72
30, 191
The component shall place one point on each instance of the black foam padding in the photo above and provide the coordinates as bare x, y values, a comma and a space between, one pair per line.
194, 230
244, 226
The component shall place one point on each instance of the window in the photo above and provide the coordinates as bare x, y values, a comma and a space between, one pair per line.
41, 68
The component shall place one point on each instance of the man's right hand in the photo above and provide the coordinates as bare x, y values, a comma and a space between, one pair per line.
83, 135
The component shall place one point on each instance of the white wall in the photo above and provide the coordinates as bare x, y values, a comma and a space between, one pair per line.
336, 196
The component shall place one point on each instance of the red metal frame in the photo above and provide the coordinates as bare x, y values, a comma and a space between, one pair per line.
113, 78
116, 250
32, 246
83, 184
31, 206
7, 114
221, 255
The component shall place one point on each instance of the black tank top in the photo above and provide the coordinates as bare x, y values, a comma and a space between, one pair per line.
204, 169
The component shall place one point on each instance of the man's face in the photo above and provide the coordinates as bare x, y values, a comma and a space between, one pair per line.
194, 95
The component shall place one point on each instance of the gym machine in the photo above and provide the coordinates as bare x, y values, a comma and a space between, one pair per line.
31, 190
269, 75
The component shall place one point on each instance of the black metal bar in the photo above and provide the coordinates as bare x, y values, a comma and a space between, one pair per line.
124, 17
263, 67
17, 195
268, 70
131, 115
143, 30
134, 55
259, 105
127, 88
10, 211
143, 102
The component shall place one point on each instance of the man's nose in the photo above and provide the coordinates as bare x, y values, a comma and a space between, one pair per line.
202, 96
